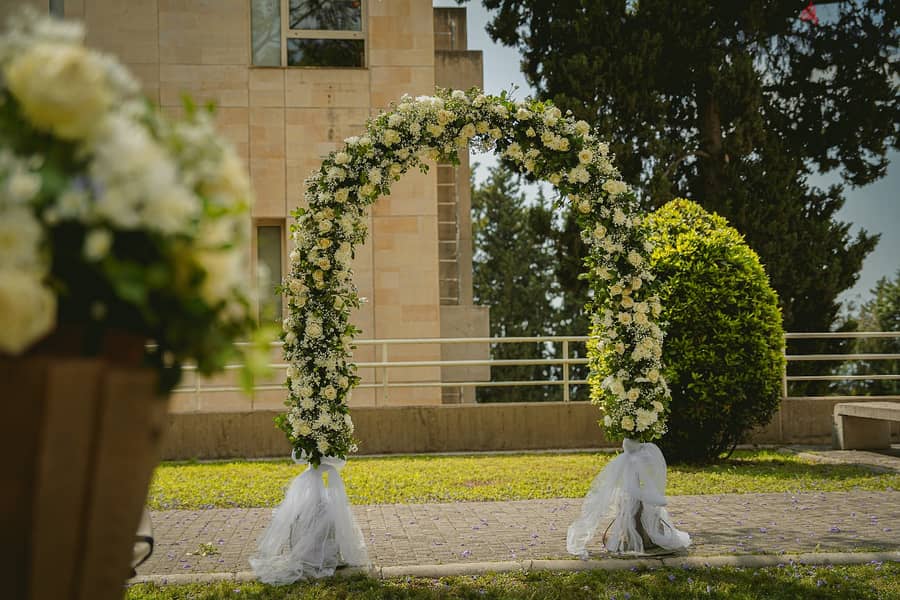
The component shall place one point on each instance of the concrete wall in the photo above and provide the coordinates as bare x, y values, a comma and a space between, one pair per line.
457, 428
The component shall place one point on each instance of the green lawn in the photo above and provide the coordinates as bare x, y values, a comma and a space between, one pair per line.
789, 582
418, 479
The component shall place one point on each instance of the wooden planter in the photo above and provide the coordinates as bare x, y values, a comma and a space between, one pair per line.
80, 438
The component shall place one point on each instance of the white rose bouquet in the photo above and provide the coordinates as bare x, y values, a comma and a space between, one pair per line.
112, 216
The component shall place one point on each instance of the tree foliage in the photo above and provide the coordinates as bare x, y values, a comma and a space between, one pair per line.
733, 104
514, 275
880, 313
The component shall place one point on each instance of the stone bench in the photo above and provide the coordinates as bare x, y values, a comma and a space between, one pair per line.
864, 425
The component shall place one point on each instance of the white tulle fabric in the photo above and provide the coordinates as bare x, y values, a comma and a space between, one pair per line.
313, 530
631, 487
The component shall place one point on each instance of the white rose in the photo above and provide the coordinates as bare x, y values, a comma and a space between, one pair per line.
340, 196
582, 127
302, 429
322, 445
627, 423
585, 156
635, 259
22, 186
653, 375
633, 394
329, 393
314, 330
599, 231
61, 88
341, 158
97, 244
614, 187
20, 234
390, 137
27, 310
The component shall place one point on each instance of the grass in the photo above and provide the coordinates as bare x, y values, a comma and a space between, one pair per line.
421, 479
859, 582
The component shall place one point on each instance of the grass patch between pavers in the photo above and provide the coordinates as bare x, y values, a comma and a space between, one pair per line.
788, 582
424, 479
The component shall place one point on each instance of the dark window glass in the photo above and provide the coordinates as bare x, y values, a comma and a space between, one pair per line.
325, 53
266, 32
58, 8
268, 271
335, 15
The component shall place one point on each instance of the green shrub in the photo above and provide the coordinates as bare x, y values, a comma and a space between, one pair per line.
724, 349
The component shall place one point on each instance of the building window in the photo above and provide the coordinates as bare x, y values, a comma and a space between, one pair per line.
269, 256
57, 8
316, 33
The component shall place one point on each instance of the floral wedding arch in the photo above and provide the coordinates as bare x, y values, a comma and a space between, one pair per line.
537, 139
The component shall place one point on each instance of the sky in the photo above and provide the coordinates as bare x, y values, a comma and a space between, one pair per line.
875, 208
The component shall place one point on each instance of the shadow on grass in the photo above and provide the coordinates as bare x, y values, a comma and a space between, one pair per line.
780, 583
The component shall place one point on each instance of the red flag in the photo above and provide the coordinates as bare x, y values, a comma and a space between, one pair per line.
809, 14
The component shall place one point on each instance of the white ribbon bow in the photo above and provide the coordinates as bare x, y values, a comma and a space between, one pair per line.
633, 482
313, 531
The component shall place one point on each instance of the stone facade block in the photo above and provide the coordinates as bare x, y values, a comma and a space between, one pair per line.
225, 85
266, 87
324, 88
127, 29
206, 33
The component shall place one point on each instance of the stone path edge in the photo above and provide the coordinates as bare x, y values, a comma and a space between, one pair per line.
571, 565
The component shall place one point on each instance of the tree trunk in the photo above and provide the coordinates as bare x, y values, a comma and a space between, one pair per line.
711, 151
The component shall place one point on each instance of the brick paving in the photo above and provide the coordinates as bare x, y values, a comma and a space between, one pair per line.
426, 534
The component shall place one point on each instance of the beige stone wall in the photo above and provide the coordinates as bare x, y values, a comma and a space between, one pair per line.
459, 428
284, 120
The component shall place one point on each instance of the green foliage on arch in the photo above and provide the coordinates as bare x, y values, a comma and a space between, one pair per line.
538, 139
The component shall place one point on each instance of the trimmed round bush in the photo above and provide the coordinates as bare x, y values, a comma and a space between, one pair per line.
723, 354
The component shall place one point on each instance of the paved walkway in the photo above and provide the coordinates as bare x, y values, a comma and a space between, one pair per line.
428, 534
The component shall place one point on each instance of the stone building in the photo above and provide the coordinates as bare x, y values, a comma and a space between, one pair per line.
291, 79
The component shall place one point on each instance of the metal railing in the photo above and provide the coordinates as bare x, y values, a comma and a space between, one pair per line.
565, 362
786, 379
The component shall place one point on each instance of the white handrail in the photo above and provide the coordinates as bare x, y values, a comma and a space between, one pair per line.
384, 382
